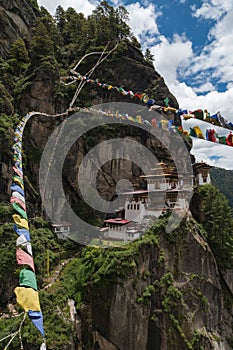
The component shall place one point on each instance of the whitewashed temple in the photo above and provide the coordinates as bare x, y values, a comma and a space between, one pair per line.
166, 191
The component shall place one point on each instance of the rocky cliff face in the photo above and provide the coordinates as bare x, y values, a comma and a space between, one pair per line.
41, 91
127, 68
16, 18
173, 298
41, 127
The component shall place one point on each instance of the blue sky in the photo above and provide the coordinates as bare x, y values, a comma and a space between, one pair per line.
192, 44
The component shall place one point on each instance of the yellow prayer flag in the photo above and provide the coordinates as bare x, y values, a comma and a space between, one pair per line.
145, 98
198, 132
27, 298
20, 221
131, 118
167, 109
17, 181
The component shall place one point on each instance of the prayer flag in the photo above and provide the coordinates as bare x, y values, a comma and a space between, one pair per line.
27, 278
19, 221
22, 231
27, 298
37, 319
24, 259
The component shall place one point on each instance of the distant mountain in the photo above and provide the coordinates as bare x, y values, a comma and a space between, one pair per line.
223, 180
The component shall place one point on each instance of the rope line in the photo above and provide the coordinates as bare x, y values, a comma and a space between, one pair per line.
13, 335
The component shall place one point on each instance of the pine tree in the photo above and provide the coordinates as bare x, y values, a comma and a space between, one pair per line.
42, 45
110, 23
149, 57
18, 58
218, 224
60, 19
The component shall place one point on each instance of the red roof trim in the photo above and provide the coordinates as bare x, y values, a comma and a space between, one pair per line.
117, 222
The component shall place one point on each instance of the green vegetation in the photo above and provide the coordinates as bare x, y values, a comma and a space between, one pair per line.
94, 270
223, 180
60, 41
146, 295
7, 252
19, 57
218, 224
96, 267
149, 57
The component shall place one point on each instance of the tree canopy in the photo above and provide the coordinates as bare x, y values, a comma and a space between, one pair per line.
218, 223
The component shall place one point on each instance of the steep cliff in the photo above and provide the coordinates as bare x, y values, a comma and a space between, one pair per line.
16, 19
35, 86
173, 298
162, 292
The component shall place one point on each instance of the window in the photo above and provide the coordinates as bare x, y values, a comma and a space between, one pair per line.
204, 179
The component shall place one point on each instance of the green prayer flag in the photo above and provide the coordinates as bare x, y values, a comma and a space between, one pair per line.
166, 101
222, 140
27, 278
192, 133
20, 210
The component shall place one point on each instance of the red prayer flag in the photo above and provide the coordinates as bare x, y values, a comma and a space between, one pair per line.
24, 259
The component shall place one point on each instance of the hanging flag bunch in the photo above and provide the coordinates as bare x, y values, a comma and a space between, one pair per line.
27, 292
215, 119
166, 124
143, 97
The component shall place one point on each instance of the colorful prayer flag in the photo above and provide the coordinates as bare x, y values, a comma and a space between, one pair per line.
22, 231
37, 319
19, 221
24, 259
27, 298
27, 278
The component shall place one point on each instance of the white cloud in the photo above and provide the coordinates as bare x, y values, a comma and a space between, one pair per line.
171, 56
218, 54
143, 20
206, 151
85, 6
206, 87
116, 2
214, 101
176, 57
212, 9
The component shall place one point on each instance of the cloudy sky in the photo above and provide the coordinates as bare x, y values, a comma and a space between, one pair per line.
192, 44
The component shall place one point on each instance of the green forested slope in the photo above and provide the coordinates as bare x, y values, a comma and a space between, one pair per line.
223, 180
